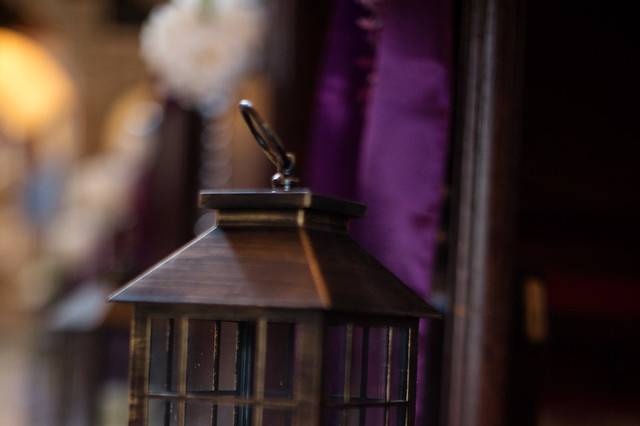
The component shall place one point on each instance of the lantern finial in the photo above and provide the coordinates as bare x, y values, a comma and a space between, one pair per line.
272, 146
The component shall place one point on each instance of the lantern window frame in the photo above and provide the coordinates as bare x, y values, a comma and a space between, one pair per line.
361, 405
307, 328
309, 359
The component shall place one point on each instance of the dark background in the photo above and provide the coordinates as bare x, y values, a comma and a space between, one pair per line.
578, 211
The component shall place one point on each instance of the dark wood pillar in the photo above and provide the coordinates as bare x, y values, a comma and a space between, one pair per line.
486, 139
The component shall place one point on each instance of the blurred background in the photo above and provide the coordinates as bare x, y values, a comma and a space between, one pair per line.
115, 113
106, 136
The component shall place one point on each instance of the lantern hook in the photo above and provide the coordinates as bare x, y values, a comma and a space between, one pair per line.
272, 146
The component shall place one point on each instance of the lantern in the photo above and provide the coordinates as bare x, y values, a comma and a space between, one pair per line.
274, 317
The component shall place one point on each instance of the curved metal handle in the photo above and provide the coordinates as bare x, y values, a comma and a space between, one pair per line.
271, 145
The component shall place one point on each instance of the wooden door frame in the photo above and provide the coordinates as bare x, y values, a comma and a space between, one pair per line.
486, 136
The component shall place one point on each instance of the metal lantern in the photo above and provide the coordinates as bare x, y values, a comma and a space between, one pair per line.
274, 317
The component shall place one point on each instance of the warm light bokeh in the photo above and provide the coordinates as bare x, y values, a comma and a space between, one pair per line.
34, 89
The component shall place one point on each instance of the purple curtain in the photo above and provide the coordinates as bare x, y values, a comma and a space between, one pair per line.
381, 129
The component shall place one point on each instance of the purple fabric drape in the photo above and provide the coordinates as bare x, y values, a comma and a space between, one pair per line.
341, 103
388, 149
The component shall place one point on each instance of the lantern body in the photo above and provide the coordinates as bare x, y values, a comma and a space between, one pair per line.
274, 318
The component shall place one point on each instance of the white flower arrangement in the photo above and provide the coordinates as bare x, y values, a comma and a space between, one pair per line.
199, 49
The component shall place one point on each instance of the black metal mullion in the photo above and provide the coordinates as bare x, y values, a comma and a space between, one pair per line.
169, 345
216, 368
244, 363
216, 356
167, 413
237, 361
348, 357
406, 356
214, 415
364, 377
387, 373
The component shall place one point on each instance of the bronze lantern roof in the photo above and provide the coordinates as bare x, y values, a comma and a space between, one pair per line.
277, 249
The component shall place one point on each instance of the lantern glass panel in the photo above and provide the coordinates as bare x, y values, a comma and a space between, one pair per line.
343, 417
226, 415
220, 356
371, 356
358, 355
276, 417
203, 413
163, 360
199, 413
374, 383
162, 412
200, 364
366, 416
397, 416
399, 364
228, 355
367, 363
373, 416
335, 361
279, 360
